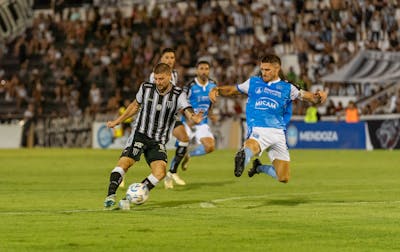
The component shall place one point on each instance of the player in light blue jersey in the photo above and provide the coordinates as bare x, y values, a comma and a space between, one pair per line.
267, 113
197, 92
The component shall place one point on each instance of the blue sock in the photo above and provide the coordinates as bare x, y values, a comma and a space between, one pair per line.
249, 155
198, 151
267, 169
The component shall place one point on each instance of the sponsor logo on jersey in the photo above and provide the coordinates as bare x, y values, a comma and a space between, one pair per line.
203, 99
266, 103
258, 90
169, 104
272, 92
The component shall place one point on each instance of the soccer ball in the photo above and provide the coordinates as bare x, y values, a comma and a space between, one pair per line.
137, 193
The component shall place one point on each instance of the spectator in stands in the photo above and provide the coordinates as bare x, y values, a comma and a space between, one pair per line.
94, 99
312, 114
317, 30
27, 130
351, 113
330, 109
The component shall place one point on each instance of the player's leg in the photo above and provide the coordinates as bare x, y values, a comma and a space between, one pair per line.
279, 156
158, 172
156, 157
182, 144
205, 141
282, 170
130, 154
250, 148
207, 145
116, 177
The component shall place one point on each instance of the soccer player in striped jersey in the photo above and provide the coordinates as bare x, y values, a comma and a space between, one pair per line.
197, 92
268, 101
157, 105
168, 57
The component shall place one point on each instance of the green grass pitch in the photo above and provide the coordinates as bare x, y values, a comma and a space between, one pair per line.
51, 200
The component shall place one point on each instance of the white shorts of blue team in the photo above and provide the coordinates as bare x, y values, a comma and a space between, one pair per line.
273, 140
198, 132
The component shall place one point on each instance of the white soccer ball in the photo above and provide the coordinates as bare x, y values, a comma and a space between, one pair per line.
137, 193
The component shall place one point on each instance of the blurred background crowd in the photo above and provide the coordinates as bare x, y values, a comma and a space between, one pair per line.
90, 59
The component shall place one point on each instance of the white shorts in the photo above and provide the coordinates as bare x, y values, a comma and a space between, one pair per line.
272, 140
198, 132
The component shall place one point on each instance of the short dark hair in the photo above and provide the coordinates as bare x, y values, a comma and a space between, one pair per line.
205, 62
167, 50
271, 58
162, 68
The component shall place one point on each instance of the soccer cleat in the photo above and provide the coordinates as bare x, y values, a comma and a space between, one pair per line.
177, 179
253, 170
185, 162
239, 163
168, 183
109, 201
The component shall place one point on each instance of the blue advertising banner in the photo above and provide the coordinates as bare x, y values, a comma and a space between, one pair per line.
326, 135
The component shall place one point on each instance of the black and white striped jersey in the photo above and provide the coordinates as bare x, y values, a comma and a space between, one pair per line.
156, 115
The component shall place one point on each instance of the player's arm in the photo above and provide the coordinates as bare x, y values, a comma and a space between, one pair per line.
315, 98
225, 91
192, 116
131, 110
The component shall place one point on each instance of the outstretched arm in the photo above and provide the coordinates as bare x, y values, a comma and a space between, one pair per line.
131, 110
315, 98
223, 91
196, 118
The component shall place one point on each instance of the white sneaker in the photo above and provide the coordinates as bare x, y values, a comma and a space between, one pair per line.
168, 183
177, 179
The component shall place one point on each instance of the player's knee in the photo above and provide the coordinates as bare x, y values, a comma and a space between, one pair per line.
209, 148
180, 134
283, 179
125, 163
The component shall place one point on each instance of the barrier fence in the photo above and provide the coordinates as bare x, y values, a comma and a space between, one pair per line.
373, 133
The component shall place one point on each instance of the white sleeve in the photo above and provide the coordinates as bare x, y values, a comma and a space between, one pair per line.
139, 95
151, 78
183, 102
244, 87
294, 92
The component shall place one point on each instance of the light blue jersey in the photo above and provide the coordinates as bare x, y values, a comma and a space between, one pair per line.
198, 97
269, 103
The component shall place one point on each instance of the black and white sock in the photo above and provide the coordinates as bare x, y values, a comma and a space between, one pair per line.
151, 181
115, 179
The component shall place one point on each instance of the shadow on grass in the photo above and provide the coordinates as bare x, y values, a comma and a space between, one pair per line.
197, 185
167, 204
282, 202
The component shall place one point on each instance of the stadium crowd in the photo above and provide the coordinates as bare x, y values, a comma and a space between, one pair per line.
91, 60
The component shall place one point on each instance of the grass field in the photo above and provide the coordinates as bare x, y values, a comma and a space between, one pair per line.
51, 200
